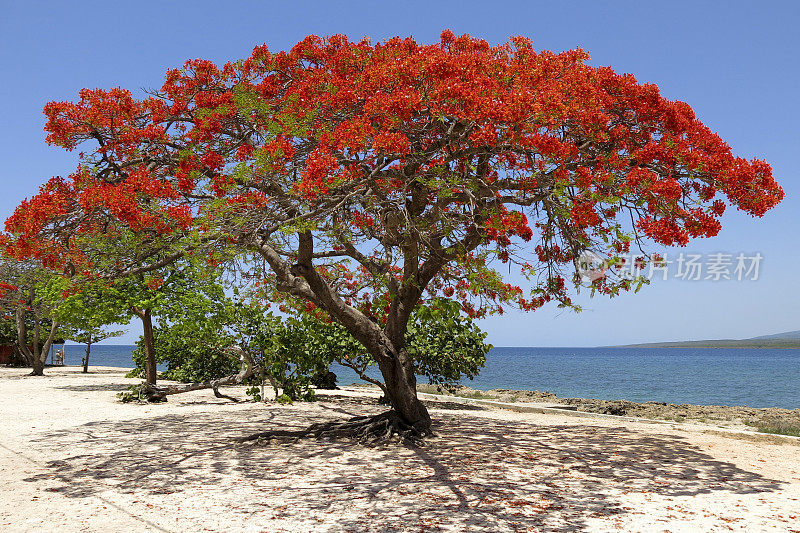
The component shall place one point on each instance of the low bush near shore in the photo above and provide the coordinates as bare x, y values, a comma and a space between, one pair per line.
780, 428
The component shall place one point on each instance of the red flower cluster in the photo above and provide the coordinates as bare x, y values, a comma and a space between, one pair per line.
479, 145
5, 288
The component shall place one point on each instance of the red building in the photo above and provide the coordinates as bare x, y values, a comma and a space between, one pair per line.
6, 352
7, 355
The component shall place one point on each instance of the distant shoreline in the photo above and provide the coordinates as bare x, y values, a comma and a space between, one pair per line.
786, 345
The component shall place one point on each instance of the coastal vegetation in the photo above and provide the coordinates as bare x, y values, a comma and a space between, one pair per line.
29, 323
778, 427
385, 194
293, 353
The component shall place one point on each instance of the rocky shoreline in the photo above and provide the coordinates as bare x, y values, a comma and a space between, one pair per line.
768, 420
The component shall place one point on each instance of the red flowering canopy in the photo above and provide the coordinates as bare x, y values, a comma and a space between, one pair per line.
366, 174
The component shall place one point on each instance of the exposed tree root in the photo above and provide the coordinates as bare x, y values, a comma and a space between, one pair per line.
218, 394
370, 430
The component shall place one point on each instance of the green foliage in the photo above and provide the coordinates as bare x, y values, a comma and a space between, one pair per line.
91, 335
194, 315
284, 399
776, 425
84, 307
196, 319
8, 328
295, 352
331, 342
792, 431
23, 305
254, 392
8, 331
190, 352
134, 393
284, 350
444, 344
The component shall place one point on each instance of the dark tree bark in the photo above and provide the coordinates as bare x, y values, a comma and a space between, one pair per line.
386, 345
401, 389
37, 366
35, 354
149, 345
86, 357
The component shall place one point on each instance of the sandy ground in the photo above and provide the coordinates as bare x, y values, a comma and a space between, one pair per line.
74, 459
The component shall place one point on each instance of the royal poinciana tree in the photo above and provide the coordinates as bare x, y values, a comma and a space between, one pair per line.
370, 178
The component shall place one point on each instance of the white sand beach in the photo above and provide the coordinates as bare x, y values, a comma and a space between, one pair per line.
72, 458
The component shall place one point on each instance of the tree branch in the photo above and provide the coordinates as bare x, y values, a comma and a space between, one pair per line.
247, 369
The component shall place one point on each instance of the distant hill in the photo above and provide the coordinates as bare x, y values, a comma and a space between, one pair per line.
789, 339
789, 335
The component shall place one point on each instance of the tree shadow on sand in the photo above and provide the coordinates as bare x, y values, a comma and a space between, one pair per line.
477, 473
371, 400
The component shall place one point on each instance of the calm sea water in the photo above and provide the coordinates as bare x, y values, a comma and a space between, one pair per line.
101, 355
704, 376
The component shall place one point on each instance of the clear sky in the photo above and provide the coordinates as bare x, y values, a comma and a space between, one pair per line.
736, 63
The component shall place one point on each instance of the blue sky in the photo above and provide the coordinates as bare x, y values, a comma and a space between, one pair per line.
736, 63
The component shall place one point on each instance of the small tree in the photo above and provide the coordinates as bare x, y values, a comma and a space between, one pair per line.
90, 335
84, 311
86, 303
21, 299
284, 350
194, 320
180, 291
444, 344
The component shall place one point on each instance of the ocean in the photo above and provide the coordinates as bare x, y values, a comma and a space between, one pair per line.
702, 376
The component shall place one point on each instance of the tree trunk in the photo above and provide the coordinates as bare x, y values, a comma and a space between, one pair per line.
149, 348
86, 358
401, 389
386, 345
35, 356
38, 366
